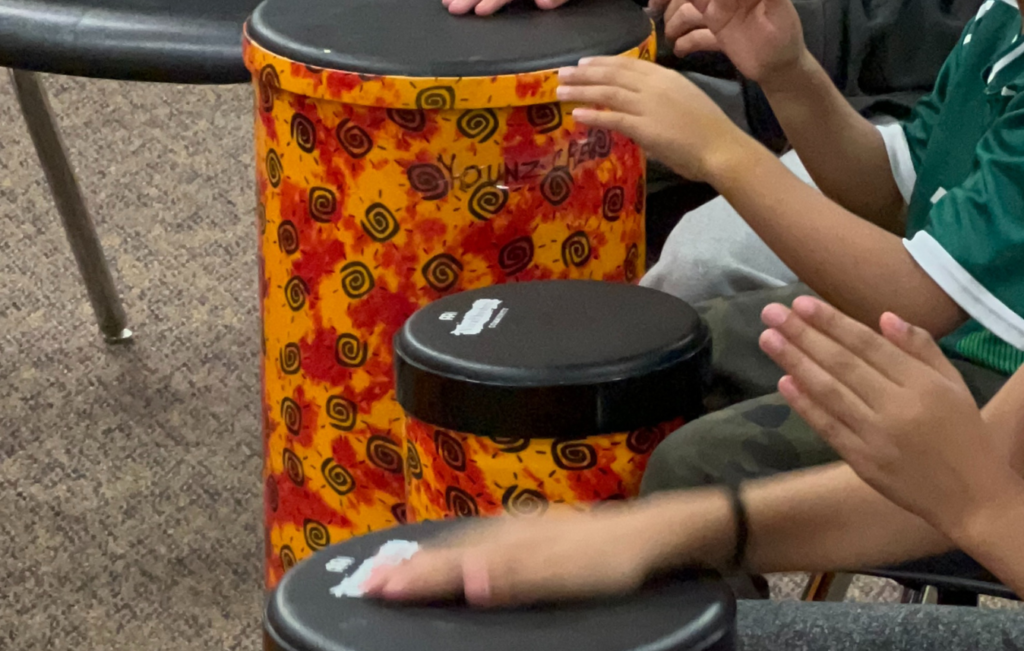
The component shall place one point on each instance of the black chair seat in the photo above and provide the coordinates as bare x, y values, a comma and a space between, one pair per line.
956, 572
182, 41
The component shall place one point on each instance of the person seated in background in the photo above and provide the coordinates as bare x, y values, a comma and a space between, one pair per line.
925, 471
923, 218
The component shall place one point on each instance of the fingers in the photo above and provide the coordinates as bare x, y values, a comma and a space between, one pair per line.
550, 4
628, 125
832, 430
428, 574
918, 343
701, 40
829, 393
488, 7
844, 366
685, 19
599, 75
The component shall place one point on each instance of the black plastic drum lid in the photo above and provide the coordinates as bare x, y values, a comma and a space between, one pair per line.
552, 359
419, 38
671, 614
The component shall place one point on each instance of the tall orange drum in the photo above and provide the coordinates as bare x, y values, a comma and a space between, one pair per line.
404, 154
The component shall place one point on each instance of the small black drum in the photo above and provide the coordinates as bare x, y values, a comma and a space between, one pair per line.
671, 614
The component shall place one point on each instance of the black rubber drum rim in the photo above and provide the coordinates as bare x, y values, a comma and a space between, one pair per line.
419, 38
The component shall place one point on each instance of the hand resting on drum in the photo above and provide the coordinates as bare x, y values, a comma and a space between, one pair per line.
937, 474
488, 7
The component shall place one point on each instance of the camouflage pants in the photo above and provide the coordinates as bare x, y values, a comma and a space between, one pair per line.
751, 431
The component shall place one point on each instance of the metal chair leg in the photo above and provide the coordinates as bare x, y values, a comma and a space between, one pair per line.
78, 226
828, 586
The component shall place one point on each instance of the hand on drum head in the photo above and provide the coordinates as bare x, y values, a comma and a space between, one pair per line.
513, 561
660, 109
488, 7
895, 409
762, 38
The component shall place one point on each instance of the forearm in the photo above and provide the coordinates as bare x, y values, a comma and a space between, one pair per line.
843, 152
859, 267
996, 538
816, 520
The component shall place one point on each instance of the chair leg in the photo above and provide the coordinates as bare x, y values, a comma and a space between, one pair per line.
78, 226
957, 598
830, 586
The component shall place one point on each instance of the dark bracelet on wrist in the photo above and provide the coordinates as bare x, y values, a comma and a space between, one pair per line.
742, 527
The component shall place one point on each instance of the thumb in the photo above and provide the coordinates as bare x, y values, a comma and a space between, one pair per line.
917, 343
550, 4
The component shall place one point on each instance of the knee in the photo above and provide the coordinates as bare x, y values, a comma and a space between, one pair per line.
686, 459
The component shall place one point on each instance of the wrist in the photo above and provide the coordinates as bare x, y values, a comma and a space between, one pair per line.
793, 75
686, 529
1000, 508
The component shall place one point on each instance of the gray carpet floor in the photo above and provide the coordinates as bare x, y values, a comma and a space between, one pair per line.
129, 477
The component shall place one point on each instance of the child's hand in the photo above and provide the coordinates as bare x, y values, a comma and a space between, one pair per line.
895, 409
660, 109
760, 37
488, 7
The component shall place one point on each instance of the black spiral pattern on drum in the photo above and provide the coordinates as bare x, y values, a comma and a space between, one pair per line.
460, 503
573, 455
323, 203
316, 534
400, 512
516, 256
380, 223
293, 467
342, 413
442, 272
576, 249
631, 265
274, 170
487, 200
545, 118
429, 180
287, 237
600, 142
272, 494
643, 440
412, 120
304, 133
556, 188
291, 359
511, 444
349, 351
450, 450
614, 202
356, 280
645, 53
268, 85
436, 97
384, 454
291, 414
288, 559
413, 464
338, 479
295, 292
640, 198
524, 502
354, 139
479, 125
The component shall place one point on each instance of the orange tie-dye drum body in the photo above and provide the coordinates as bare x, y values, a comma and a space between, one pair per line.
392, 171
521, 396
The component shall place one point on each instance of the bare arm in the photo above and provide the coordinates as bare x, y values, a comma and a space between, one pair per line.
843, 152
857, 266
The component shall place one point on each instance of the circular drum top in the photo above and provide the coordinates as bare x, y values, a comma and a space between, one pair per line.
672, 614
552, 359
419, 38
